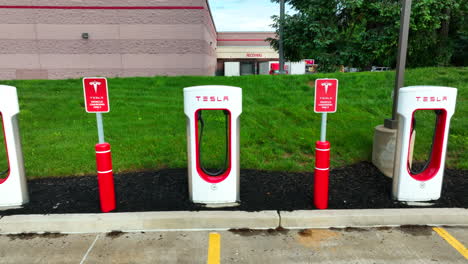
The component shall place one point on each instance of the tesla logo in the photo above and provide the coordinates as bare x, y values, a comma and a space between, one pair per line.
431, 98
326, 86
95, 84
212, 98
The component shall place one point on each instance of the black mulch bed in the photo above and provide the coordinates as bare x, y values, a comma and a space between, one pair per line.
354, 187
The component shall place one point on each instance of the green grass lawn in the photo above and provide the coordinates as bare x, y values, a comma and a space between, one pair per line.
147, 128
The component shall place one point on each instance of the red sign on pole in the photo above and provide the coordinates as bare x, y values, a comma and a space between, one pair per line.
96, 95
326, 95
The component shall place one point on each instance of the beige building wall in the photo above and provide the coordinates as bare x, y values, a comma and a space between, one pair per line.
42, 39
247, 48
245, 45
242, 52
246, 39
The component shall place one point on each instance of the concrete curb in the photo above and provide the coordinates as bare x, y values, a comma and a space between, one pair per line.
224, 220
134, 222
374, 217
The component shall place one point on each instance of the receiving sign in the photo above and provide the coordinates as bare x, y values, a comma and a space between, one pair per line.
96, 95
326, 95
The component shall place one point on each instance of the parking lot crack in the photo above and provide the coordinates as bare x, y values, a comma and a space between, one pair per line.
279, 218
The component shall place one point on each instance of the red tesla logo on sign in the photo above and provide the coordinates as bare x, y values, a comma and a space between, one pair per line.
96, 95
326, 95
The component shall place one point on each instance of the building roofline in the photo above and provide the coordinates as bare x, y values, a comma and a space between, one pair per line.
211, 16
247, 32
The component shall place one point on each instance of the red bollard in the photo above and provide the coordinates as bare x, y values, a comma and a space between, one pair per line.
105, 177
322, 167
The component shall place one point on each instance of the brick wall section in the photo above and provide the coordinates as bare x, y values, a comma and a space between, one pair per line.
239, 39
41, 43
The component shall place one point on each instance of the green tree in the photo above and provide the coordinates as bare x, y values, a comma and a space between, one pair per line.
362, 33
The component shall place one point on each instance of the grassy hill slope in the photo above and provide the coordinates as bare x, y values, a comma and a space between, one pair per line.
147, 130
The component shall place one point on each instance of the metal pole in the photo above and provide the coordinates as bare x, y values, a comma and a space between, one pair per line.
100, 127
401, 60
281, 37
323, 128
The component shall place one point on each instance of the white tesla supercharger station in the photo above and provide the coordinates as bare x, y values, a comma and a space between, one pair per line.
13, 188
222, 186
425, 184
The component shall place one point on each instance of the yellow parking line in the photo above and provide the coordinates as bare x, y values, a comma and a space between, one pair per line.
452, 241
214, 249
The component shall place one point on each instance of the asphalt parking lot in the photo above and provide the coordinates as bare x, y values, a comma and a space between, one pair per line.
407, 244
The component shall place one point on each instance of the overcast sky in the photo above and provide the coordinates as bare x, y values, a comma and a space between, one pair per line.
243, 15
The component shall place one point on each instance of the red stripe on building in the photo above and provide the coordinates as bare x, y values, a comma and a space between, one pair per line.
240, 39
102, 7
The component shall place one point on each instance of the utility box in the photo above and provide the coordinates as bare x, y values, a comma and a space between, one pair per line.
207, 185
425, 184
296, 68
232, 68
13, 187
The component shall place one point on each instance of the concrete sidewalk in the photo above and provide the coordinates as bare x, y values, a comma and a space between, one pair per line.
352, 245
224, 220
